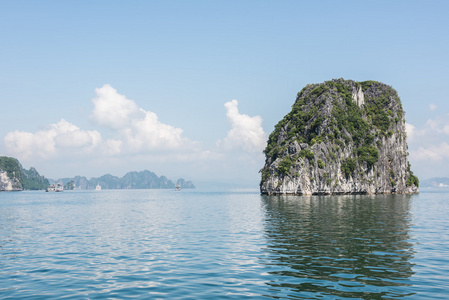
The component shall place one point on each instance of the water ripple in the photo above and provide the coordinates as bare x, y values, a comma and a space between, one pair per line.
221, 245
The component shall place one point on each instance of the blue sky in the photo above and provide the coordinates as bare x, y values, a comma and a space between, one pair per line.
171, 66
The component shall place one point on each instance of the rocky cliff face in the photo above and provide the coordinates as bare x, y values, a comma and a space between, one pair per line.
10, 174
13, 177
341, 137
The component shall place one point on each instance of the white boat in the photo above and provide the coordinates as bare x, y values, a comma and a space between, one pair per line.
55, 188
98, 187
177, 187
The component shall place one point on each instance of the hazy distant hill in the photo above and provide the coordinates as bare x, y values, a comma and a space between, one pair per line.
132, 180
32, 180
437, 182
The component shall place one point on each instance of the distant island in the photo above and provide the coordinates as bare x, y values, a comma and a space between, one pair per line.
341, 137
436, 182
132, 180
13, 177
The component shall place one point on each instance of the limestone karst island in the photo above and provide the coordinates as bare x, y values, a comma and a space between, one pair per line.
341, 137
13, 177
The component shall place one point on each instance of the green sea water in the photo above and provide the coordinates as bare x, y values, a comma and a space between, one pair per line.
233, 244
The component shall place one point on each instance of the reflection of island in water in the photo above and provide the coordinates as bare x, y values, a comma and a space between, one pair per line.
339, 246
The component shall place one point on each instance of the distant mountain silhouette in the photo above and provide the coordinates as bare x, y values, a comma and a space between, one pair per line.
132, 180
437, 182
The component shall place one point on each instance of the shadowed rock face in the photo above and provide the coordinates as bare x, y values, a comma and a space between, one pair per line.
341, 137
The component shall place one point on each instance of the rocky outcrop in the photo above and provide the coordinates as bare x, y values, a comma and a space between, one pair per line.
185, 184
341, 137
10, 174
13, 177
33, 181
132, 180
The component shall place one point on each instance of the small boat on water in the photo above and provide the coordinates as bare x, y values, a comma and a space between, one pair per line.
98, 187
177, 187
55, 188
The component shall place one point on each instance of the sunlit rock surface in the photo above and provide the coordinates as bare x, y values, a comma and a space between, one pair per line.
341, 137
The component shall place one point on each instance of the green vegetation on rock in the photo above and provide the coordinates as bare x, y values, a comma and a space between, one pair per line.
320, 164
11, 166
348, 167
285, 165
368, 154
20, 178
344, 128
13, 170
33, 181
307, 153
412, 180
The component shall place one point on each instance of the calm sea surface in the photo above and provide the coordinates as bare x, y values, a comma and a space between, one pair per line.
199, 244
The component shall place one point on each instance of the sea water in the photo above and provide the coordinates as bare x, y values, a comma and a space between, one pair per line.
236, 244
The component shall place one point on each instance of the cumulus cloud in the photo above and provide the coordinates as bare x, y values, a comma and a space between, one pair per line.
149, 133
112, 109
132, 130
428, 146
434, 153
132, 137
432, 107
432, 130
439, 125
46, 143
410, 130
246, 132
138, 129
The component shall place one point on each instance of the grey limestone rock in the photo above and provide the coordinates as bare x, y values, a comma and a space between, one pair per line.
341, 137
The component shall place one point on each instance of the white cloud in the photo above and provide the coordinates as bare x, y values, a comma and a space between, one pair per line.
112, 147
112, 109
432, 130
432, 107
433, 153
133, 130
47, 143
428, 146
410, 130
148, 133
246, 132
136, 139
139, 130
439, 125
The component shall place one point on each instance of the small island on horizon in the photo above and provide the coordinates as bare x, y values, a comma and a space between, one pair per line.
13, 177
132, 180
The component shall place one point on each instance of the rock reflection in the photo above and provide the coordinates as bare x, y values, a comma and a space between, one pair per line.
339, 246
